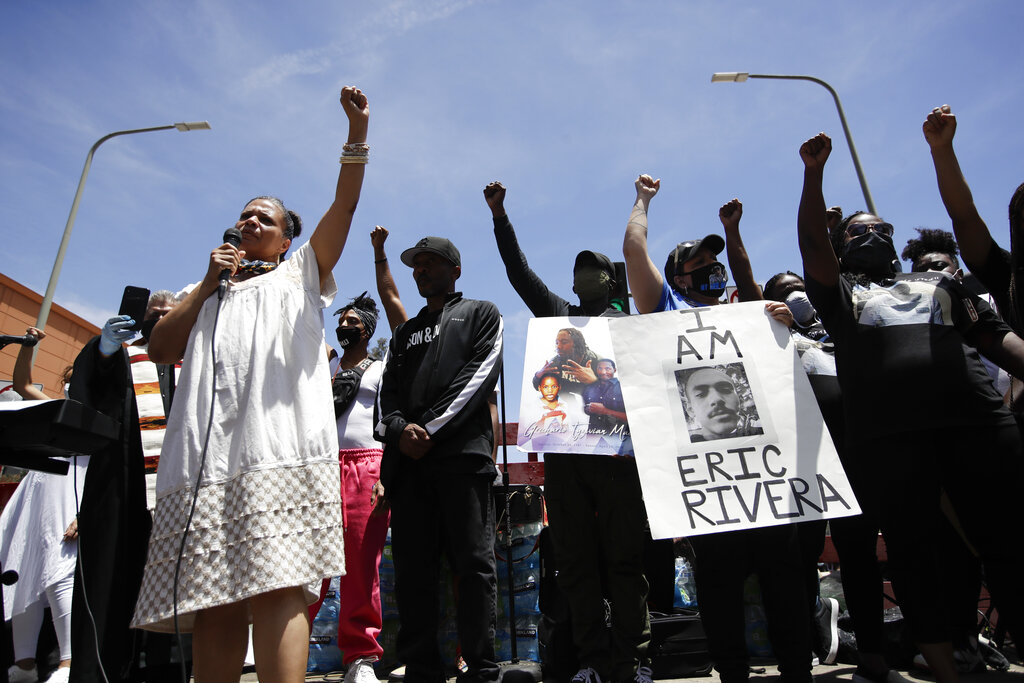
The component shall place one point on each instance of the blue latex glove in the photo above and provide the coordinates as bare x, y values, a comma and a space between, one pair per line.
114, 333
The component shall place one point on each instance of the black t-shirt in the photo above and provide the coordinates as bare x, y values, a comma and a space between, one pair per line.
995, 274
904, 354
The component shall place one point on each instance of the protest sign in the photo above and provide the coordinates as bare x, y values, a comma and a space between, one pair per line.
726, 430
571, 397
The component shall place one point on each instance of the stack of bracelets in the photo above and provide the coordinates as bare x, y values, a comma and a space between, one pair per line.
355, 153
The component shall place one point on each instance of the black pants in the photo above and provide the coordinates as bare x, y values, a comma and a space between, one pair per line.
435, 512
598, 519
723, 563
982, 472
856, 542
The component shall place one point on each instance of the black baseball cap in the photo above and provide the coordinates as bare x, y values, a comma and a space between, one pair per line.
685, 251
435, 245
594, 258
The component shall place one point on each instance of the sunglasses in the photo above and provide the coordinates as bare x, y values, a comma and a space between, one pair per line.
858, 229
931, 266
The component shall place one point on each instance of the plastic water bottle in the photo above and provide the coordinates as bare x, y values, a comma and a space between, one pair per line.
686, 589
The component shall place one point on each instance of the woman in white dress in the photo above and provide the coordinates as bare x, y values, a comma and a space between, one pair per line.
267, 518
39, 540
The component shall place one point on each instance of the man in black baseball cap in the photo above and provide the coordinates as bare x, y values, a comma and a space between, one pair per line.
588, 497
435, 245
437, 469
692, 276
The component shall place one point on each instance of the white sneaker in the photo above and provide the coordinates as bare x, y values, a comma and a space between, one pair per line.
587, 675
361, 671
18, 675
60, 675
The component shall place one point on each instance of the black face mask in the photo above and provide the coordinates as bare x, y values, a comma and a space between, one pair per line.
871, 254
147, 327
347, 336
709, 280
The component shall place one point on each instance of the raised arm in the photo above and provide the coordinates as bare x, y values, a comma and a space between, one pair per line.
645, 279
329, 237
541, 301
820, 261
387, 290
736, 253
22, 377
972, 235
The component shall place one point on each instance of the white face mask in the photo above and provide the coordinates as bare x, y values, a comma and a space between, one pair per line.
800, 305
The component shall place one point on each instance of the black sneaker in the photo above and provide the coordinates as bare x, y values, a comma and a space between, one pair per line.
826, 619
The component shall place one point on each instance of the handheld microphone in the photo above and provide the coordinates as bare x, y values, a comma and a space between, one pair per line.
232, 236
23, 339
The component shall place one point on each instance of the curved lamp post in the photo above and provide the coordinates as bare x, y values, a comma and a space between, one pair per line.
739, 77
44, 309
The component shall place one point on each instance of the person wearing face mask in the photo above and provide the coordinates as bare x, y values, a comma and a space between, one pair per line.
595, 507
355, 384
855, 538
922, 331
692, 277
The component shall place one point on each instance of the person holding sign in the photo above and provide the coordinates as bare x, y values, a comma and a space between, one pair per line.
920, 330
693, 278
595, 507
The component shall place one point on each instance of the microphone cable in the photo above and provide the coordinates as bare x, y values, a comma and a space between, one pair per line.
195, 493
81, 573
234, 237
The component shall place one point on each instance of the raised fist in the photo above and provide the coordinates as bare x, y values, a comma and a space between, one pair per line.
815, 151
730, 213
646, 186
494, 195
940, 126
378, 237
356, 107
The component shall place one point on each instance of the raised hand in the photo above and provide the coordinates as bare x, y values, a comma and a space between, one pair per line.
35, 332
494, 195
815, 151
378, 236
730, 214
581, 373
646, 187
357, 108
940, 126
115, 332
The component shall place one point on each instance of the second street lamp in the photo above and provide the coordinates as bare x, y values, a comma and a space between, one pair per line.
741, 76
44, 308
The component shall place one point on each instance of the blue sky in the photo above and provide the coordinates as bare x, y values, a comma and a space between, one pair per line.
565, 102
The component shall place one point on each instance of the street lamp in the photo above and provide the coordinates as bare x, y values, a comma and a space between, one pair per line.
44, 310
740, 77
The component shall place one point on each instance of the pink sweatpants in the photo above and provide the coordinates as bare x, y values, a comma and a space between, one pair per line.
359, 616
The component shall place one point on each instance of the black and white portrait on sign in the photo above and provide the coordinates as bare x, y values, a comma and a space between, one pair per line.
718, 402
